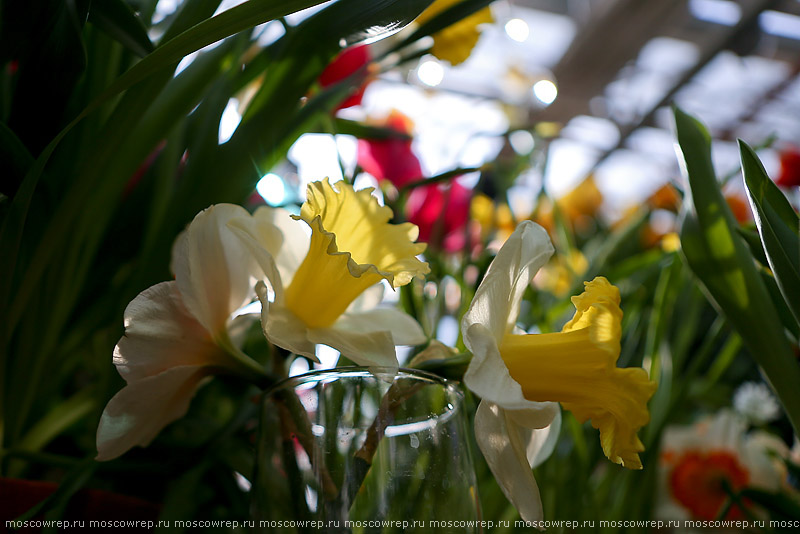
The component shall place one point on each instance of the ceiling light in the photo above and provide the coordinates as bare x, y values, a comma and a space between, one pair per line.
518, 30
546, 91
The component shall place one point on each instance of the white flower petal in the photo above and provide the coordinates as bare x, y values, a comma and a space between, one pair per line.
758, 454
497, 300
375, 349
542, 441
726, 430
666, 508
502, 443
262, 240
405, 330
488, 377
282, 328
367, 300
296, 239
138, 412
178, 257
213, 269
160, 333
239, 327
279, 243
505, 420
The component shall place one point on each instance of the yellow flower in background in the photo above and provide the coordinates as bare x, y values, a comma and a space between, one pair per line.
455, 43
671, 242
577, 207
583, 201
326, 287
493, 218
520, 378
562, 272
481, 209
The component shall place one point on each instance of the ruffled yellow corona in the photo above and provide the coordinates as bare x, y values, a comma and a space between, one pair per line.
353, 247
577, 367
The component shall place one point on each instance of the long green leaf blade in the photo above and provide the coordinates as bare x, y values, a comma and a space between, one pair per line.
720, 259
118, 20
778, 226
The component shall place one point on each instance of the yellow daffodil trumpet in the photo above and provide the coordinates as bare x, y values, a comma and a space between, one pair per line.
353, 247
332, 277
577, 367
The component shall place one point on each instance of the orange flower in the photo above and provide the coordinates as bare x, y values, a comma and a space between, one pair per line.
697, 460
696, 482
740, 208
790, 168
665, 198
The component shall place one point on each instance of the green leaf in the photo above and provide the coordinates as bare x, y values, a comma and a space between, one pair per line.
185, 495
611, 246
373, 19
720, 259
58, 500
788, 320
60, 417
778, 226
753, 240
15, 157
366, 131
118, 20
780, 505
209, 31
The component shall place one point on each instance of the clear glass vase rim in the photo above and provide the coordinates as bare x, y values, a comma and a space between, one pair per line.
366, 370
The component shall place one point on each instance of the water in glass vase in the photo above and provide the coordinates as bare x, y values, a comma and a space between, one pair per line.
359, 450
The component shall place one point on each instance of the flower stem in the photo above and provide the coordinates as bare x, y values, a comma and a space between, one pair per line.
397, 394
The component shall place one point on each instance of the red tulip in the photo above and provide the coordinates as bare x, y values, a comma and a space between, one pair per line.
441, 211
391, 159
348, 62
790, 168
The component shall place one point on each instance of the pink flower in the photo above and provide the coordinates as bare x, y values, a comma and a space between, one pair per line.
441, 211
348, 62
391, 159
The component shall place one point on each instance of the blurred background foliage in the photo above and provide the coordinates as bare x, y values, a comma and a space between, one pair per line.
109, 148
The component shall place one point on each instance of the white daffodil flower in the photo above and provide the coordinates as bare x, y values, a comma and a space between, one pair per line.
177, 333
325, 286
520, 378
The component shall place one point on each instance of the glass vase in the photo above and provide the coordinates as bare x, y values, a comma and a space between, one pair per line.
364, 450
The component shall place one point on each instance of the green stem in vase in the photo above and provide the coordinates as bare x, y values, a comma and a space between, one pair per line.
294, 416
362, 460
294, 422
292, 470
